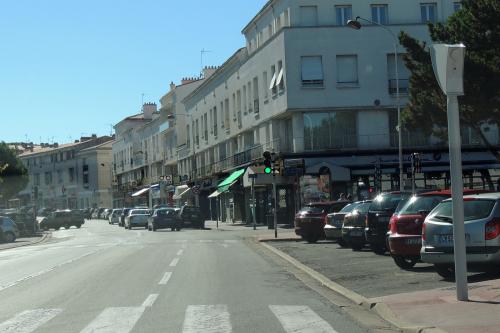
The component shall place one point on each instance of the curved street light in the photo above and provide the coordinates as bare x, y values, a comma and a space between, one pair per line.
356, 25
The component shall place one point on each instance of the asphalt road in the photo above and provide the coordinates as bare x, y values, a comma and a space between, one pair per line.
365, 272
103, 278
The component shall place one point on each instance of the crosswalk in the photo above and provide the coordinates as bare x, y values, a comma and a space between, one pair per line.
197, 319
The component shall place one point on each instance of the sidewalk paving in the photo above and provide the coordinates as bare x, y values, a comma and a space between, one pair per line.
25, 241
440, 308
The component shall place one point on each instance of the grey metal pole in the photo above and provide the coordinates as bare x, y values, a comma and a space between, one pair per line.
457, 198
398, 103
275, 208
413, 174
253, 205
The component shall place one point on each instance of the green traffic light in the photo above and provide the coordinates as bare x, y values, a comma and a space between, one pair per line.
268, 170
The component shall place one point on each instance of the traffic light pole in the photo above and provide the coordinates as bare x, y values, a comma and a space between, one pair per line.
275, 208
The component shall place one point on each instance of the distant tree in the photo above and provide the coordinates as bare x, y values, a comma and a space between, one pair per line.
477, 26
13, 174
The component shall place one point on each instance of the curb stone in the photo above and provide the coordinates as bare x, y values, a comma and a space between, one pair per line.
380, 308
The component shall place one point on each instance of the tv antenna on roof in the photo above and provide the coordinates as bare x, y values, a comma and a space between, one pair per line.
203, 51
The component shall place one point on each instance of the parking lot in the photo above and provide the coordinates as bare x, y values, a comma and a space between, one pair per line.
365, 272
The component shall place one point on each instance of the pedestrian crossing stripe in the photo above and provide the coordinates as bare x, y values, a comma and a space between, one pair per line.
197, 319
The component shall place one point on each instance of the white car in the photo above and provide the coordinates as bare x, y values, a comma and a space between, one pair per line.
114, 217
137, 218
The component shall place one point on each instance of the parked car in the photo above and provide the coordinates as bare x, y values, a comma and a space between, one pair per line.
25, 221
378, 217
60, 218
137, 218
333, 226
191, 216
311, 219
353, 227
123, 215
105, 213
43, 212
405, 227
9, 231
164, 218
482, 234
114, 217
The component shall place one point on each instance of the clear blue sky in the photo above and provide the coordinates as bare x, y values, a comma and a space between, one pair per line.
69, 68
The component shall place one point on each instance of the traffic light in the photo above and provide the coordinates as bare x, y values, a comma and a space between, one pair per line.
268, 164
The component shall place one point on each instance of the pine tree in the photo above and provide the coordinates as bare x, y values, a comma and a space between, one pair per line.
477, 26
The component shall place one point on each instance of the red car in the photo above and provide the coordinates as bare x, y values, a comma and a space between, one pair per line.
405, 227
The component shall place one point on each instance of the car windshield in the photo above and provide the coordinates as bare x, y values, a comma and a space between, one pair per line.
349, 208
418, 204
362, 208
386, 202
473, 210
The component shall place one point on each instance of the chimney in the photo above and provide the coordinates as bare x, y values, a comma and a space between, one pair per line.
148, 109
208, 71
94, 136
172, 86
186, 80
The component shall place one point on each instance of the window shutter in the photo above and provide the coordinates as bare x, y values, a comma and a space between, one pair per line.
312, 69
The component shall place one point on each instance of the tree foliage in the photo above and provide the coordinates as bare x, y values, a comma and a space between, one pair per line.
13, 174
477, 26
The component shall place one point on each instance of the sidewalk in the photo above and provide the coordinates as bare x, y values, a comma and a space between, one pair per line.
25, 241
262, 232
439, 308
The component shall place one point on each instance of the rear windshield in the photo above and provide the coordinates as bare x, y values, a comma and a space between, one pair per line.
312, 210
191, 210
415, 205
473, 210
140, 212
349, 208
363, 208
165, 212
387, 202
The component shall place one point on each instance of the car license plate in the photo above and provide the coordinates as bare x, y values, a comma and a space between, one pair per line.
413, 241
447, 239
356, 233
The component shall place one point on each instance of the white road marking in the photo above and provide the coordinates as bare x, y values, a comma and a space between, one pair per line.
115, 320
300, 319
150, 300
28, 321
165, 278
207, 319
179, 253
174, 262
230, 241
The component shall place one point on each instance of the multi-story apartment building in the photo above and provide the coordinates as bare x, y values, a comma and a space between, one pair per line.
73, 175
307, 86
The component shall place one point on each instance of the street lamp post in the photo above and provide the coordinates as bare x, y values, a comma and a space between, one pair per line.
355, 24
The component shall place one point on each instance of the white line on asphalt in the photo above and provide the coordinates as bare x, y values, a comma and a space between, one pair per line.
300, 319
49, 269
179, 253
150, 300
115, 320
28, 321
206, 240
230, 241
174, 262
165, 278
207, 319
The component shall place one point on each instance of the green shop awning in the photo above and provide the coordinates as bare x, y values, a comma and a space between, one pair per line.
230, 180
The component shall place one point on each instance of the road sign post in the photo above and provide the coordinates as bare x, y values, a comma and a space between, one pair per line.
448, 64
253, 176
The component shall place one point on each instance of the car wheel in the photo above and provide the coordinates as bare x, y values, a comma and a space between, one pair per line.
312, 239
66, 227
404, 262
178, 229
9, 237
145, 227
79, 226
357, 246
342, 242
379, 249
447, 272
173, 229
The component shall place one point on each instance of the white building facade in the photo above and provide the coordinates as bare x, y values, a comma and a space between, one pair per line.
307, 86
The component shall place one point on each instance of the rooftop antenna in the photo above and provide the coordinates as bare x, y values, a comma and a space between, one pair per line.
203, 51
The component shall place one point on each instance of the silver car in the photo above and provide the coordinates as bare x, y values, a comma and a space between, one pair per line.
137, 218
8, 230
114, 217
482, 234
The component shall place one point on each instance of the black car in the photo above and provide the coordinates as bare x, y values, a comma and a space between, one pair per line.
191, 216
164, 218
61, 218
378, 217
